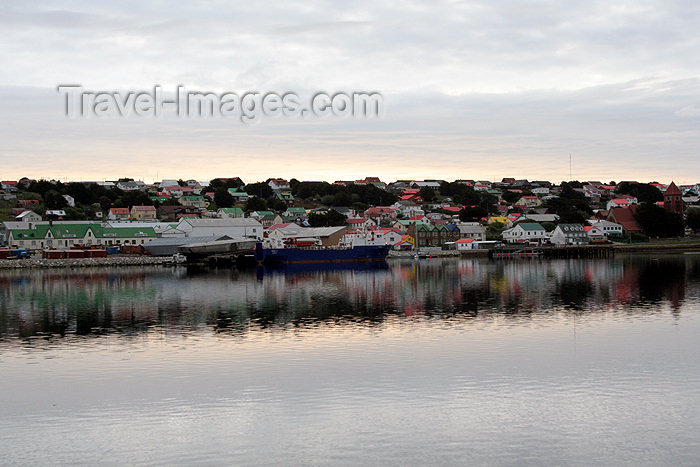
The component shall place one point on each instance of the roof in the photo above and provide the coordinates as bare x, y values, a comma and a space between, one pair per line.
625, 217
281, 226
465, 240
530, 226
359, 220
72, 231
231, 210
24, 214
224, 222
672, 190
570, 227
143, 208
297, 210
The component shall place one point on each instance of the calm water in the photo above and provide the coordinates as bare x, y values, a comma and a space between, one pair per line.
428, 363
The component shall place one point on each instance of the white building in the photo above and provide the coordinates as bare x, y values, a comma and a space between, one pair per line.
28, 216
595, 235
525, 232
569, 234
231, 227
471, 230
607, 227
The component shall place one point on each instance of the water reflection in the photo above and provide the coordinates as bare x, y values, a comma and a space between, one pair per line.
96, 301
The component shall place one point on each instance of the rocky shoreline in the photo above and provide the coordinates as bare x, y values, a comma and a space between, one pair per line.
116, 260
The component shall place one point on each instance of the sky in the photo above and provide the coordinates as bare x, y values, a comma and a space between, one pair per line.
471, 89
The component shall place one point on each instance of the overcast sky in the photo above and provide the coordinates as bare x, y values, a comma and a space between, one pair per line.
471, 89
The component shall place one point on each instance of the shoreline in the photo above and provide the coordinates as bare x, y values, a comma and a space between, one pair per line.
112, 261
125, 261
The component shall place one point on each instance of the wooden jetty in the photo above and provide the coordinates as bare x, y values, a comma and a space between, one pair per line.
556, 252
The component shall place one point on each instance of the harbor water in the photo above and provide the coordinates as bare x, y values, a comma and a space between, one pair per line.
427, 362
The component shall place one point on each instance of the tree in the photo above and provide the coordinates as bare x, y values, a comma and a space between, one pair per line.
427, 193
472, 214
658, 222
54, 200
510, 197
693, 219
644, 192
260, 189
549, 226
171, 202
222, 198
133, 198
331, 218
30, 195
255, 204
80, 193
571, 206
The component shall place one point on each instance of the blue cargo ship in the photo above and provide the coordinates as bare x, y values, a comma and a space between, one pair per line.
320, 254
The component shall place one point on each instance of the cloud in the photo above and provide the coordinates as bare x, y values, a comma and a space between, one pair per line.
472, 87
690, 111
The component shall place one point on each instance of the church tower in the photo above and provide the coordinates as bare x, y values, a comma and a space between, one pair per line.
673, 199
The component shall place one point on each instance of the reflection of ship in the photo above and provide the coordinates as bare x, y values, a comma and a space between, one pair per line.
320, 254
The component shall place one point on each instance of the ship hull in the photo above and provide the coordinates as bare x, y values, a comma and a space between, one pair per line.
329, 255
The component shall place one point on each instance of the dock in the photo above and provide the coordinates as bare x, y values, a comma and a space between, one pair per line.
552, 252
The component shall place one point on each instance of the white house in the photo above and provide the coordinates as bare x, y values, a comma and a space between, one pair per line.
569, 234
466, 244
360, 224
607, 227
471, 230
70, 201
529, 202
28, 216
595, 235
279, 184
542, 190
525, 232
622, 201
373, 237
55, 213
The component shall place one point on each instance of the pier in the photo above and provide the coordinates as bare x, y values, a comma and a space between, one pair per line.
556, 252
